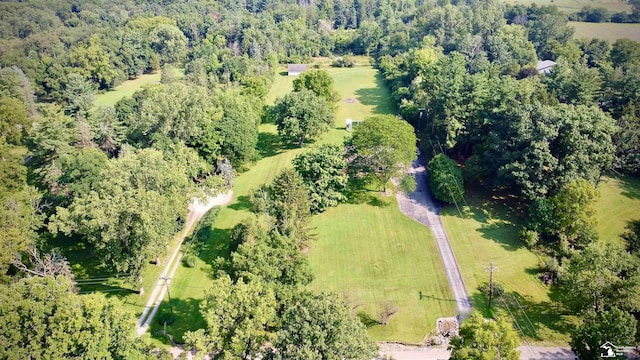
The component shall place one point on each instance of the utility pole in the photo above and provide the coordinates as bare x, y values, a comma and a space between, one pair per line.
491, 269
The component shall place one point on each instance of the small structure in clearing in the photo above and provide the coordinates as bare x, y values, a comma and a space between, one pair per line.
352, 123
545, 66
296, 69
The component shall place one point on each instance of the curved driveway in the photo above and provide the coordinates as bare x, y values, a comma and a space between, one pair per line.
421, 206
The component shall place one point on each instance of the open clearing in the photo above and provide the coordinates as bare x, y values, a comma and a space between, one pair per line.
488, 233
619, 203
606, 31
374, 253
129, 87
368, 249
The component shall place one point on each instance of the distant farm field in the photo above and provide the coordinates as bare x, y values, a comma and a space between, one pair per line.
367, 249
570, 6
606, 31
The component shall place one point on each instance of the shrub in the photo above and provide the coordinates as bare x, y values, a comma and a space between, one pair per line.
190, 261
345, 61
529, 237
445, 179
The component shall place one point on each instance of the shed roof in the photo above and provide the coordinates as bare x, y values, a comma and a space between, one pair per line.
545, 65
296, 68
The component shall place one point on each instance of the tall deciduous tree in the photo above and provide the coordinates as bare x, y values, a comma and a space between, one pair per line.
323, 171
574, 210
321, 327
237, 316
614, 326
538, 149
302, 115
131, 215
318, 81
238, 128
480, 339
381, 147
14, 122
602, 275
40, 318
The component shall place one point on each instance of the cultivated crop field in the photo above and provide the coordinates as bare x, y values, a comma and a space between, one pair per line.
576, 5
606, 31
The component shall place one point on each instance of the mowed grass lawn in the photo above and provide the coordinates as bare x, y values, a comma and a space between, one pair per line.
373, 253
488, 233
606, 31
129, 87
370, 251
619, 203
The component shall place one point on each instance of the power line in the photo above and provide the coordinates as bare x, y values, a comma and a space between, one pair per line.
515, 322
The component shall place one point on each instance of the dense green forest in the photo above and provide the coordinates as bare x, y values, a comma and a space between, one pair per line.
118, 179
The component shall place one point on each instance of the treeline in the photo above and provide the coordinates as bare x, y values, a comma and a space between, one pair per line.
601, 14
486, 117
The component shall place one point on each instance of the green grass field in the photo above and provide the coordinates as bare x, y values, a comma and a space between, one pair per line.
619, 203
389, 258
488, 233
374, 253
129, 87
606, 31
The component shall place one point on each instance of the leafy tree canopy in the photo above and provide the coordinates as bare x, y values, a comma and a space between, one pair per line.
302, 115
318, 81
40, 318
323, 171
381, 147
445, 179
480, 339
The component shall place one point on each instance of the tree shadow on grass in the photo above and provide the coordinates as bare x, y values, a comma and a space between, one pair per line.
532, 318
630, 187
186, 317
367, 320
242, 203
370, 197
270, 144
216, 247
503, 233
378, 97
497, 214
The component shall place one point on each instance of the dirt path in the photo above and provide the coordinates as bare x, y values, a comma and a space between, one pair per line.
196, 211
422, 207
